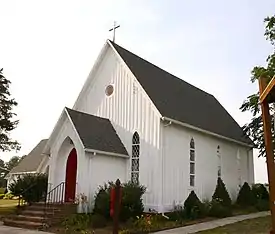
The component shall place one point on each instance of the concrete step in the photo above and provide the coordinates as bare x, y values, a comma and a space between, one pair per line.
23, 224
36, 219
42, 208
37, 213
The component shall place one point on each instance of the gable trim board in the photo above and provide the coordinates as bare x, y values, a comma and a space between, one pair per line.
89, 79
106, 153
206, 132
151, 78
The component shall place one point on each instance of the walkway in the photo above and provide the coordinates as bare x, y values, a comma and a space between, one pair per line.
13, 230
213, 224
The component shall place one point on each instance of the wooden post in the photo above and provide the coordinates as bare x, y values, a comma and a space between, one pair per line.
117, 199
269, 152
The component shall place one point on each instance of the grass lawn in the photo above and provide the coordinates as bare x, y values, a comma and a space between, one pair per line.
259, 225
7, 207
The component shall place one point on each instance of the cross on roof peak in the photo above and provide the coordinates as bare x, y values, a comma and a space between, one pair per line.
114, 30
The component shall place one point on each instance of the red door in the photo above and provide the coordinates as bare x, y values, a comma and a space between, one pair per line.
70, 183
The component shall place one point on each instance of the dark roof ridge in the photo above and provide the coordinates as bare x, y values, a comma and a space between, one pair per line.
156, 66
85, 113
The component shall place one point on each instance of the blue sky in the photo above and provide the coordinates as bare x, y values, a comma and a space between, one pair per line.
48, 48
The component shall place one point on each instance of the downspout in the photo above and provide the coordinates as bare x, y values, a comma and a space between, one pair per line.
162, 164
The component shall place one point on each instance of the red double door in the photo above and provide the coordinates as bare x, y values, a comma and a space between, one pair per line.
70, 182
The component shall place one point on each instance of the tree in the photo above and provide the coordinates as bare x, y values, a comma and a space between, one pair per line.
254, 129
13, 162
7, 124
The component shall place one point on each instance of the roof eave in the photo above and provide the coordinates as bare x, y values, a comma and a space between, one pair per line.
207, 132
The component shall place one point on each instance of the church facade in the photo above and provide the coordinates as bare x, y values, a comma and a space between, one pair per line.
134, 121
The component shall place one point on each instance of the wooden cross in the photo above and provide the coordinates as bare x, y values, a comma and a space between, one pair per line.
114, 30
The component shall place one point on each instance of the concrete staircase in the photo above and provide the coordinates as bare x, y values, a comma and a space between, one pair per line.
38, 216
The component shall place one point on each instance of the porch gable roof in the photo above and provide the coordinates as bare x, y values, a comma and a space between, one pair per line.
96, 133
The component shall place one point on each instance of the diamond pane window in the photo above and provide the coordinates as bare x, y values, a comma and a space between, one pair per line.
135, 158
192, 163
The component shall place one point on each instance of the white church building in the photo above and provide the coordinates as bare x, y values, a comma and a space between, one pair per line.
134, 121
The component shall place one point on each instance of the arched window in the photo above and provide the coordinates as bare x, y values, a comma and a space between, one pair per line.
135, 158
239, 168
192, 163
219, 161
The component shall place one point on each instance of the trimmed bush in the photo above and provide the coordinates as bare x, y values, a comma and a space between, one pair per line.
102, 200
245, 197
32, 187
262, 205
221, 194
218, 210
260, 192
193, 207
131, 204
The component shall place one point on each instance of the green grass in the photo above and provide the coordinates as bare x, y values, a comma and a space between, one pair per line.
253, 226
7, 207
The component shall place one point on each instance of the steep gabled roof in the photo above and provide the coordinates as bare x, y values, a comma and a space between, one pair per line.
96, 133
32, 161
181, 101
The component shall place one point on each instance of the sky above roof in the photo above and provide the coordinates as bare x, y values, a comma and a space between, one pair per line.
49, 47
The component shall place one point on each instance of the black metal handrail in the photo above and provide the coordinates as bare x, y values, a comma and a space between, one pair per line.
54, 196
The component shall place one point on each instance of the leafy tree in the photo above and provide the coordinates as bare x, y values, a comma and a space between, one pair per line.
13, 162
254, 128
7, 124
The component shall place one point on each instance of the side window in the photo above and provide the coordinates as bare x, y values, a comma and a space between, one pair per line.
135, 158
192, 163
219, 161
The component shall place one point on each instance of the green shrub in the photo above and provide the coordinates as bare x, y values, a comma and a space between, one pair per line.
218, 210
221, 194
98, 221
178, 214
76, 222
193, 207
260, 192
131, 204
102, 200
32, 187
245, 197
262, 205
8, 196
2, 196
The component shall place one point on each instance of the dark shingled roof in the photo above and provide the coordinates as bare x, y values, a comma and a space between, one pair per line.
31, 161
96, 133
179, 100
